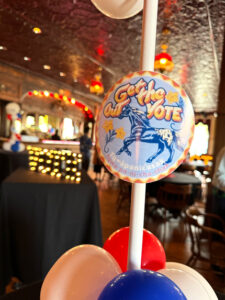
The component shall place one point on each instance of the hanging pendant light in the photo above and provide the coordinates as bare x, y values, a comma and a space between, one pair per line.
163, 61
96, 86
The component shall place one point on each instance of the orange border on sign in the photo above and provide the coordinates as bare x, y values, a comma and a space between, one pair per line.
185, 152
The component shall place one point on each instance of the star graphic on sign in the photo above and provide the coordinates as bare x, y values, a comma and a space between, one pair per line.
172, 97
120, 133
108, 125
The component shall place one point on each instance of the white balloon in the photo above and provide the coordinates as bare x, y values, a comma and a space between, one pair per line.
13, 109
119, 9
193, 285
8, 146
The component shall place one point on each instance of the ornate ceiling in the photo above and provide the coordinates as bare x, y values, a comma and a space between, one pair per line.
79, 41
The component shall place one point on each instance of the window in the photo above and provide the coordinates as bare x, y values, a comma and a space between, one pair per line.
30, 121
201, 139
43, 123
68, 129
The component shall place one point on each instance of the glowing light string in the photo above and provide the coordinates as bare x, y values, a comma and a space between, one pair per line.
57, 96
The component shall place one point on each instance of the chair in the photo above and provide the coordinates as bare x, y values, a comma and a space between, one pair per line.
174, 199
207, 243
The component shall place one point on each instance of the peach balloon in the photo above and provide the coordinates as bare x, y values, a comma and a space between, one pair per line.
119, 9
80, 273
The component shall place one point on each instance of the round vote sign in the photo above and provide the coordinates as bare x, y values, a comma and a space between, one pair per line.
145, 127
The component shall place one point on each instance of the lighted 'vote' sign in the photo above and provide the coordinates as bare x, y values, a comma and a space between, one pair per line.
145, 127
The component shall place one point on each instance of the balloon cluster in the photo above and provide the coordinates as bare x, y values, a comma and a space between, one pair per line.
89, 272
14, 143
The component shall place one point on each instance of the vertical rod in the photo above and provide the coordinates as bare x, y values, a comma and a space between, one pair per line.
137, 210
136, 226
149, 26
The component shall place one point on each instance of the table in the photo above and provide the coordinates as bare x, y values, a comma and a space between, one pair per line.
176, 178
40, 218
10, 161
198, 165
181, 178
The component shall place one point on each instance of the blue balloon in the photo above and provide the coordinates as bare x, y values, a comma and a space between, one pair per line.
141, 285
16, 146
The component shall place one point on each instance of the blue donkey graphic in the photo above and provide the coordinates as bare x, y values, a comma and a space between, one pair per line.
141, 131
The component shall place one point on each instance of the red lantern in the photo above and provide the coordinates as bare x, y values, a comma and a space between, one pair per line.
164, 61
96, 86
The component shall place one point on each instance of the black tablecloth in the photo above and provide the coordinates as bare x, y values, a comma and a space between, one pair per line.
181, 178
176, 178
10, 161
40, 218
29, 292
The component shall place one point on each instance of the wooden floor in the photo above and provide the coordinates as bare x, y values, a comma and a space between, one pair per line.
177, 242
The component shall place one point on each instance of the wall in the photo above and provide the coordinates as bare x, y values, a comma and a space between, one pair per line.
16, 82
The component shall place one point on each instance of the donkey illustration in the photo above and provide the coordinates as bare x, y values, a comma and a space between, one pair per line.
141, 131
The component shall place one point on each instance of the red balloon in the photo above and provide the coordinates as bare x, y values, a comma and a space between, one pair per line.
153, 254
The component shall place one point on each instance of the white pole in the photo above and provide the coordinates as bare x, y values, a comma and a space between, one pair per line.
148, 42
137, 210
136, 226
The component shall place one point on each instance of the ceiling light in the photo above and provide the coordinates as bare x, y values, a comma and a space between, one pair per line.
163, 61
62, 74
37, 30
166, 31
75, 80
27, 58
96, 86
47, 67
100, 51
3, 48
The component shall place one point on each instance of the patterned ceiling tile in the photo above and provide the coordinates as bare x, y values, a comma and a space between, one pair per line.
79, 41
